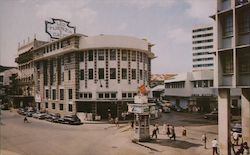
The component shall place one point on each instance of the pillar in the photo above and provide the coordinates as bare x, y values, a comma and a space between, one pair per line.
245, 114
224, 121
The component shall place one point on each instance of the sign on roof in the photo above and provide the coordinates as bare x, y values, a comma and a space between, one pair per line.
59, 28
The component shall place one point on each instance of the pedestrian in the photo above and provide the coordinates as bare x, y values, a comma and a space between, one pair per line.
157, 128
132, 124
173, 133
116, 122
204, 140
168, 130
154, 132
236, 138
25, 120
214, 146
245, 149
184, 131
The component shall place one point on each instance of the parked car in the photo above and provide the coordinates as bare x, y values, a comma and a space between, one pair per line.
237, 127
21, 111
71, 119
166, 109
212, 115
39, 115
53, 118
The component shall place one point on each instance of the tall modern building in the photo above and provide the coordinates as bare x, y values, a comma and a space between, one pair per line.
232, 69
90, 74
203, 57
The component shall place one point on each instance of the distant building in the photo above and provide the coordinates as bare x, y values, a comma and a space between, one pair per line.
202, 42
7, 83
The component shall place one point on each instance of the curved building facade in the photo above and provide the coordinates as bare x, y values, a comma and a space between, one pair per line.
96, 74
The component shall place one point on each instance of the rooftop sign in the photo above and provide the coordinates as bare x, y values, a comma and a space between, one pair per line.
59, 28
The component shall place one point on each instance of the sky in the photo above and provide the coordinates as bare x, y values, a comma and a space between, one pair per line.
166, 23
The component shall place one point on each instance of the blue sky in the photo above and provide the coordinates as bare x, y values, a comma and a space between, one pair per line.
166, 23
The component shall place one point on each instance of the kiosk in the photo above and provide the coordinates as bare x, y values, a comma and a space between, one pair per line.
142, 110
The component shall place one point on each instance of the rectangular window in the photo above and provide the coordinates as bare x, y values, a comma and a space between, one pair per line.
124, 95
100, 95
227, 26
70, 107
124, 73
85, 95
112, 73
90, 95
90, 55
69, 58
47, 93
112, 54
70, 94
81, 57
53, 106
101, 73
46, 105
62, 76
100, 55
244, 22
113, 95
133, 74
81, 74
61, 106
124, 55
61, 94
244, 63
133, 56
129, 95
80, 95
69, 75
106, 95
140, 74
90, 74
53, 94
227, 62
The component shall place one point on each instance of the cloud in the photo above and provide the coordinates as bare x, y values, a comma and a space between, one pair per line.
179, 35
66, 10
201, 9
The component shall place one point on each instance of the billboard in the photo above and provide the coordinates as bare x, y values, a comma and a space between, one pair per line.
59, 28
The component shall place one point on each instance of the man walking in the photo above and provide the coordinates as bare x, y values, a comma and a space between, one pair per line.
154, 132
214, 146
173, 133
204, 140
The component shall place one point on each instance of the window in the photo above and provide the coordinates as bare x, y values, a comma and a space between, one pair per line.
90, 95
69, 75
46, 105
133, 56
140, 74
124, 95
70, 107
227, 62
80, 95
244, 63
81, 74
106, 95
85, 95
133, 74
129, 95
90, 54
70, 94
124, 73
124, 55
47, 93
69, 58
227, 26
112, 73
61, 106
53, 94
53, 106
101, 73
113, 95
100, 55
112, 54
100, 95
90, 74
244, 22
62, 76
81, 57
211, 83
61, 94
205, 83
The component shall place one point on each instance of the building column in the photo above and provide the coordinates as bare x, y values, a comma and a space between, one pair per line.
224, 121
245, 114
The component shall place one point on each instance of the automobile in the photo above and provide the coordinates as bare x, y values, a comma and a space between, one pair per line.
166, 109
21, 111
71, 119
29, 113
39, 115
237, 127
52, 118
212, 115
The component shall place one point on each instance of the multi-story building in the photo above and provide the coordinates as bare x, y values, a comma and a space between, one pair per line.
192, 91
25, 63
203, 58
232, 46
90, 74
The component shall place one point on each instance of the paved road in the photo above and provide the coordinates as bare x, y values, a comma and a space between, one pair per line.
44, 138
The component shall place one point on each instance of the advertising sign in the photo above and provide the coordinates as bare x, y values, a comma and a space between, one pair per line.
59, 28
